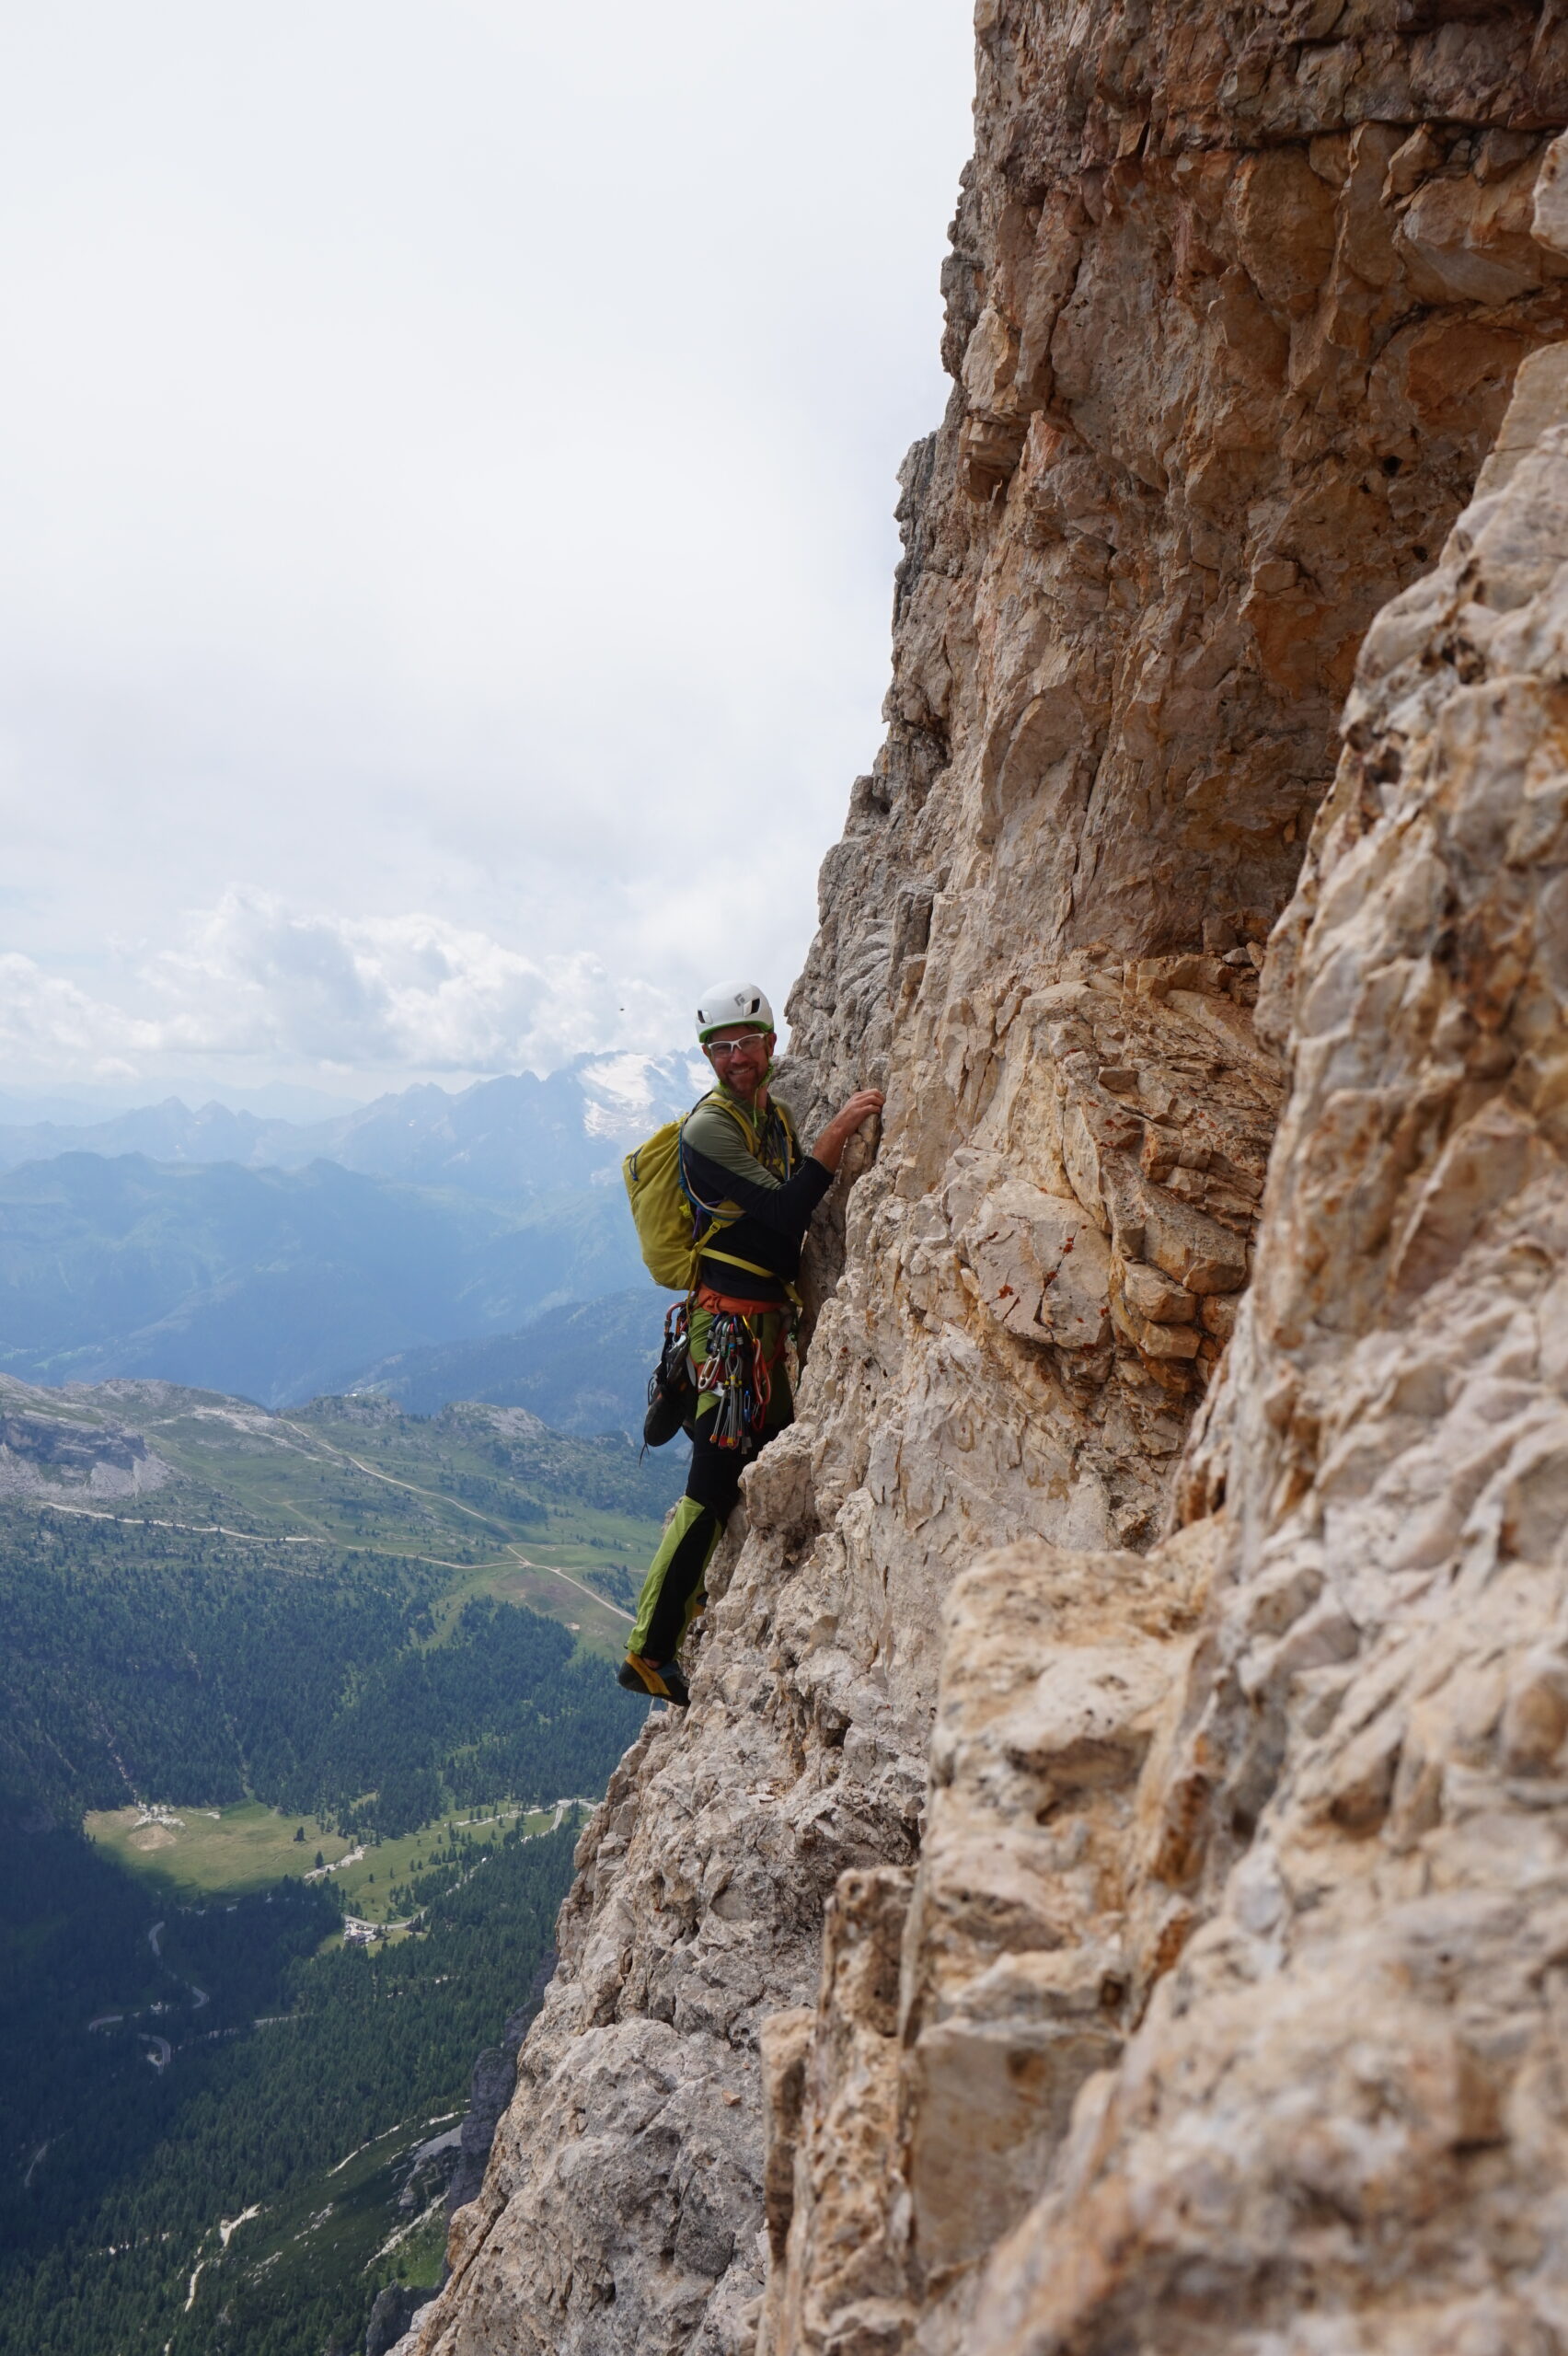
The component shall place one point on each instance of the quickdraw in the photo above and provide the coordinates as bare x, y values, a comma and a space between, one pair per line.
735, 1371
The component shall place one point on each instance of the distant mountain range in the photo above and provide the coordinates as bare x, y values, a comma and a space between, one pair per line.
275, 1283
583, 1370
84, 1106
410, 1246
500, 1138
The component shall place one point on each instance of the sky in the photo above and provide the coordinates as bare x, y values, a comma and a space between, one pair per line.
447, 462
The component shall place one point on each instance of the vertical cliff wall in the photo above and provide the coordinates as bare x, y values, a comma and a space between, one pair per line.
1093, 2019
1344, 2122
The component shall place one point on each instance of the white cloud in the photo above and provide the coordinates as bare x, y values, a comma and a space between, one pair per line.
263, 980
449, 465
270, 987
48, 1026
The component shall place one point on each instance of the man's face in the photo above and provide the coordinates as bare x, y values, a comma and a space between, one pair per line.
740, 1058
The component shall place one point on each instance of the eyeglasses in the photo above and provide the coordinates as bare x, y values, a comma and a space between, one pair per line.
734, 1046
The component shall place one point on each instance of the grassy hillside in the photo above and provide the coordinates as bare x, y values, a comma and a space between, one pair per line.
182, 1856
490, 1498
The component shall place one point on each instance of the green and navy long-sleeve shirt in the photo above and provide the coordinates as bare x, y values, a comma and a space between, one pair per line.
776, 1190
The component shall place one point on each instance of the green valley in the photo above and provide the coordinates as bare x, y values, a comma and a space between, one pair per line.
489, 1496
232, 2149
298, 1717
187, 1856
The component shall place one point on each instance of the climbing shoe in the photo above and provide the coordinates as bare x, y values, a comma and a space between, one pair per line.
665, 1684
671, 1393
668, 1413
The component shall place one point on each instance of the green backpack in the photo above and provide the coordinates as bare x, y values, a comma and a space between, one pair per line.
670, 1221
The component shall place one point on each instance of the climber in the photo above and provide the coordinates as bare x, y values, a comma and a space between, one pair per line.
741, 1305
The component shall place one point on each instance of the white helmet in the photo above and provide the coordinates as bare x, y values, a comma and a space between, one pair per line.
730, 1003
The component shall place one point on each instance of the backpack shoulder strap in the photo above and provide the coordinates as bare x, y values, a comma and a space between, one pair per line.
787, 1122
699, 1209
747, 1128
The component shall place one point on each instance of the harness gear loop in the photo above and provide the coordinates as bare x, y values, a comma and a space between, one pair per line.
737, 1373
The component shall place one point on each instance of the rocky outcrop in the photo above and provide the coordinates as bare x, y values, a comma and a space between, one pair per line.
50, 1446
491, 2089
393, 2311
1045, 1934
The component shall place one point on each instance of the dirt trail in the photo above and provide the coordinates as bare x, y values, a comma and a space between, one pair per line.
554, 1572
201, 1528
262, 1537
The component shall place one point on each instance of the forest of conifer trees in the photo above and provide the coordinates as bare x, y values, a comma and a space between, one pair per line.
172, 2065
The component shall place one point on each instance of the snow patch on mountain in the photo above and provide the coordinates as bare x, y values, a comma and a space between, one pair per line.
627, 1094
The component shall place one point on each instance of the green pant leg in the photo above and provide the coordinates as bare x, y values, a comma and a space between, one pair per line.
688, 1516
699, 1324
688, 1512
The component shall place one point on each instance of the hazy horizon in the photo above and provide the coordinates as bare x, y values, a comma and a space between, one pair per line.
85, 1102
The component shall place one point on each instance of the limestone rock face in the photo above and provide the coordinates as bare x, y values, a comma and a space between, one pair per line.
1105, 1893
1345, 2120
53, 1450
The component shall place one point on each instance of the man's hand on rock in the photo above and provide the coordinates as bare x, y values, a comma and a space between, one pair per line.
829, 1147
